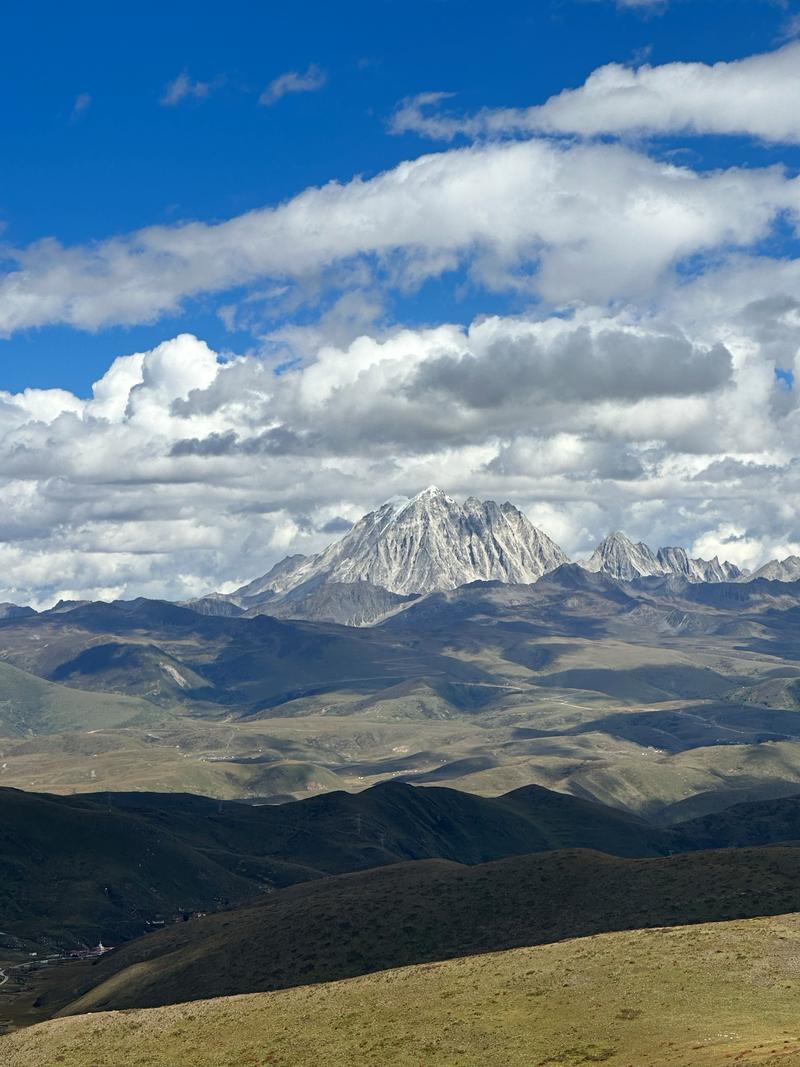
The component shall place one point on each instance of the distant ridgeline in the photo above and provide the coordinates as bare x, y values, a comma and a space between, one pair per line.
432, 543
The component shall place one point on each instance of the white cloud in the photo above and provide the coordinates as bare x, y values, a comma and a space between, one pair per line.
183, 87
640, 393
570, 222
184, 470
758, 96
311, 80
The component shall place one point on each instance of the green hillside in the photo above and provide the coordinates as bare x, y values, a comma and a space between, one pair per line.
31, 705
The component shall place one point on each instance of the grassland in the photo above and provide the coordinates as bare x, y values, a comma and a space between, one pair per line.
592, 691
702, 996
32, 706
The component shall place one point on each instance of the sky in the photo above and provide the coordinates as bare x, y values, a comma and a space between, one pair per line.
264, 267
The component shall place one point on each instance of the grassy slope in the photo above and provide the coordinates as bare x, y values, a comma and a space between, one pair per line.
430, 910
686, 997
30, 705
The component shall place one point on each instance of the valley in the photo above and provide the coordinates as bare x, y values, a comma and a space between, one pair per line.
652, 695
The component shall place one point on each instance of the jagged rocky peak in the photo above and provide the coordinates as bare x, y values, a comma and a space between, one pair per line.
784, 570
432, 542
618, 556
677, 561
427, 543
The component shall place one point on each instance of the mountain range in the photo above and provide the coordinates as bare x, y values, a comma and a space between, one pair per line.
431, 543
581, 731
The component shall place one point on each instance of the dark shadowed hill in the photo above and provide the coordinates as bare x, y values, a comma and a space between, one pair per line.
74, 871
102, 866
762, 822
338, 832
433, 910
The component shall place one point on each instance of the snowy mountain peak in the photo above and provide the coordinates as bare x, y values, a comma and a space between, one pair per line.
430, 542
432, 492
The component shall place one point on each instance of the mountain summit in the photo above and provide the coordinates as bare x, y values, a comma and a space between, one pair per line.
618, 556
428, 543
431, 543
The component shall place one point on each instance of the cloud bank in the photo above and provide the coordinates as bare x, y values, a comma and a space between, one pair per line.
184, 470
569, 223
756, 97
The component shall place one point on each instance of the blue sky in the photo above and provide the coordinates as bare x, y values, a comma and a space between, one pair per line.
126, 161
265, 266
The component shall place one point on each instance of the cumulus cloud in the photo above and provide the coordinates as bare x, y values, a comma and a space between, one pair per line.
577, 365
310, 81
758, 96
570, 223
184, 470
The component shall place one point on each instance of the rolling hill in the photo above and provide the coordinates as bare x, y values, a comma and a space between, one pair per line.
32, 706
663, 696
84, 869
700, 996
430, 910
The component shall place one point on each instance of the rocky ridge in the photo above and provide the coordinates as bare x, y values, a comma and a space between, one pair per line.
431, 543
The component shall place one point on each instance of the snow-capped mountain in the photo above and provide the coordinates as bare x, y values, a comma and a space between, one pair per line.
429, 543
432, 543
618, 556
